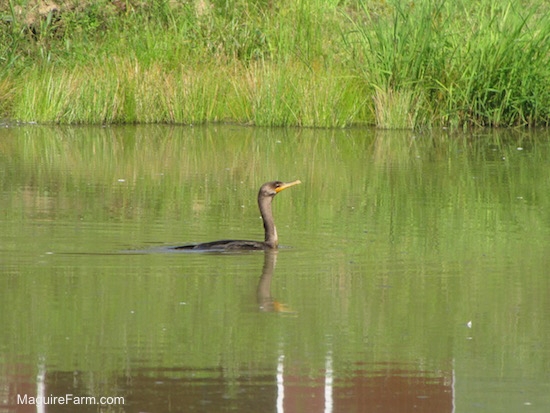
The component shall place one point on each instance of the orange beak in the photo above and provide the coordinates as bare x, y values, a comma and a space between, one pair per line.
287, 185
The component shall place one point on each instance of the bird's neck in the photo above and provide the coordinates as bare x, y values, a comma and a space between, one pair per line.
271, 239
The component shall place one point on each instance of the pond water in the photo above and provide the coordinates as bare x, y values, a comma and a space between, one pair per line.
413, 273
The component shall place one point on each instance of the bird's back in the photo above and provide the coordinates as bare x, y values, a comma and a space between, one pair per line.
225, 245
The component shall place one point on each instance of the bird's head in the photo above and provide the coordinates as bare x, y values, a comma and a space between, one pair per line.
270, 189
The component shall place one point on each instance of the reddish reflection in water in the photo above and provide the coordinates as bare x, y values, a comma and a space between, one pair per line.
16, 379
388, 387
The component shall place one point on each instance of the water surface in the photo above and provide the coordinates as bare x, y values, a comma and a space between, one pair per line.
413, 273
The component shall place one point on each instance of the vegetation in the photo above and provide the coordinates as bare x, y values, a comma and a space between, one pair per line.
315, 63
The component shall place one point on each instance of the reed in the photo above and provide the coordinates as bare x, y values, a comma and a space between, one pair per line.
471, 62
316, 63
125, 91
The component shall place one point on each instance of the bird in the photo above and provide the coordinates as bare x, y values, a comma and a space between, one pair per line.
271, 242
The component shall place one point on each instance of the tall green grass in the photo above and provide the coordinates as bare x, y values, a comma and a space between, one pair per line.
322, 63
125, 91
466, 62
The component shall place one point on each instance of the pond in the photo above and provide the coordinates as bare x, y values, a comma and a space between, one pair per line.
412, 273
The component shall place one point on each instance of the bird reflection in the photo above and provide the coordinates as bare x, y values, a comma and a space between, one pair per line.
266, 302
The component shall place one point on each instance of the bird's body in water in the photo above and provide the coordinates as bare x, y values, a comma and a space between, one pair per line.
271, 241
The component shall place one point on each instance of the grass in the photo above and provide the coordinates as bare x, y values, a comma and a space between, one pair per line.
454, 63
328, 63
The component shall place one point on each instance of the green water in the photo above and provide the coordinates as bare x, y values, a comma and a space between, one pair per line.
413, 273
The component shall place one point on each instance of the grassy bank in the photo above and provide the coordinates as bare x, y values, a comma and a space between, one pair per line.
318, 63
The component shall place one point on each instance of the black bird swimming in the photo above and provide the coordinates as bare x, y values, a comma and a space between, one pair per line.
265, 197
